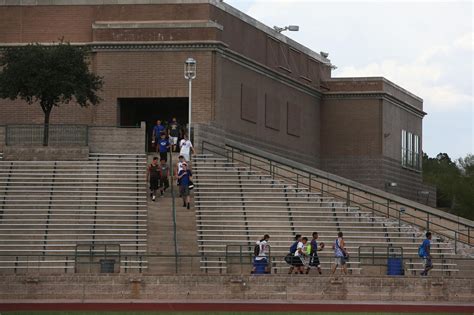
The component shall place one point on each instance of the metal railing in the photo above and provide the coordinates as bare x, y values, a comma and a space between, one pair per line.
455, 228
378, 255
59, 135
234, 263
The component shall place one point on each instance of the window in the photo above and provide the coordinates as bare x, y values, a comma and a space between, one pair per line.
404, 148
410, 150
416, 152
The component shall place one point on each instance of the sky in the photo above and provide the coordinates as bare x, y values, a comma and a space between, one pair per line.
426, 47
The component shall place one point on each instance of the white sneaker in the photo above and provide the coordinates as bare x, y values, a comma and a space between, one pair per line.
153, 198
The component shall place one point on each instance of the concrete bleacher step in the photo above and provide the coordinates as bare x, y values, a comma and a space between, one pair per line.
237, 205
48, 207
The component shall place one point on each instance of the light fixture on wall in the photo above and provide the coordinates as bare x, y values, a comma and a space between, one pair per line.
291, 28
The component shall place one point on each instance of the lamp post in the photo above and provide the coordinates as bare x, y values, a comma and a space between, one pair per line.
189, 74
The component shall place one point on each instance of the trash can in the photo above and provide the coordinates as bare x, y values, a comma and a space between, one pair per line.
395, 267
260, 266
107, 266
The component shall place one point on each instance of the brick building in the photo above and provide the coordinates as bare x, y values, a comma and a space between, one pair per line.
253, 83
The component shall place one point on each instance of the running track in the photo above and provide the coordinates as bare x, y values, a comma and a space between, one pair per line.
236, 307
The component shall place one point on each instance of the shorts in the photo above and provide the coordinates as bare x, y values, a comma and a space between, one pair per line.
174, 140
164, 156
297, 261
154, 183
314, 261
186, 156
164, 182
427, 262
340, 261
184, 190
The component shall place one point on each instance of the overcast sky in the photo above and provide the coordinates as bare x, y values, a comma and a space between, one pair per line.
426, 47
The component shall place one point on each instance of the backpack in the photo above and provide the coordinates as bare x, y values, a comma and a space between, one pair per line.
421, 251
256, 249
293, 247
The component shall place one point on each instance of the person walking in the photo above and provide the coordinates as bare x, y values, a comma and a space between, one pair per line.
158, 129
300, 255
173, 131
313, 253
164, 173
186, 148
289, 258
185, 176
163, 145
153, 177
340, 254
261, 251
425, 254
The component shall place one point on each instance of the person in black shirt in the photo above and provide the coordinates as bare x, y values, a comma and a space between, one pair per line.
173, 131
153, 176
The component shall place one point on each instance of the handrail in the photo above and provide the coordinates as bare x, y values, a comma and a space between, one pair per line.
389, 251
173, 205
395, 207
187, 264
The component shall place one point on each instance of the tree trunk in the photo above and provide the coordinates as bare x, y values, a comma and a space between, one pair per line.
46, 128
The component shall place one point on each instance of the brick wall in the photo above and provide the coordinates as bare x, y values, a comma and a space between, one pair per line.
292, 129
351, 126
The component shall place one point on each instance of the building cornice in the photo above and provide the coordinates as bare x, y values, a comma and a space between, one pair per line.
155, 24
375, 94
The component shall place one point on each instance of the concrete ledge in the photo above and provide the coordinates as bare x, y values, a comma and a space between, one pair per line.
45, 153
268, 288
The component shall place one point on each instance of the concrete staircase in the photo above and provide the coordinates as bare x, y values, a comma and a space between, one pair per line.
66, 216
236, 206
161, 245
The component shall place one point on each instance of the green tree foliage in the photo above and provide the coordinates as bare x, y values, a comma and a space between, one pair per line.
454, 182
48, 76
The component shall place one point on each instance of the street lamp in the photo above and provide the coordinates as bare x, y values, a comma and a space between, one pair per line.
189, 74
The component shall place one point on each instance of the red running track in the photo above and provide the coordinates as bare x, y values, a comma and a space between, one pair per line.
237, 307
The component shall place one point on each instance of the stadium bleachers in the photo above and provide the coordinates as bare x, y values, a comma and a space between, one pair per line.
51, 212
236, 206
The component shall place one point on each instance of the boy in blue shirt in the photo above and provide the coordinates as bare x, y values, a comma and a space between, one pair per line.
426, 249
185, 177
157, 131
164, 145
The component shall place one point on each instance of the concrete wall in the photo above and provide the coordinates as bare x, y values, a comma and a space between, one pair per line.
16, 153
117, 140
226, 287
2, 138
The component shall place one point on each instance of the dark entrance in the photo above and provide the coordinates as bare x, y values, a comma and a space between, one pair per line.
134, 110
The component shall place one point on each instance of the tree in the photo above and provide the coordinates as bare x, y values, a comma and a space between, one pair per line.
443, 173
454, 182
50, 76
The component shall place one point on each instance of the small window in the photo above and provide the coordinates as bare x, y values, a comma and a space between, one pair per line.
410, 149
404, 148
416, 152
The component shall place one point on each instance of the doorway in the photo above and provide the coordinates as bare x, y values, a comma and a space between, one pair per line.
132, 111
